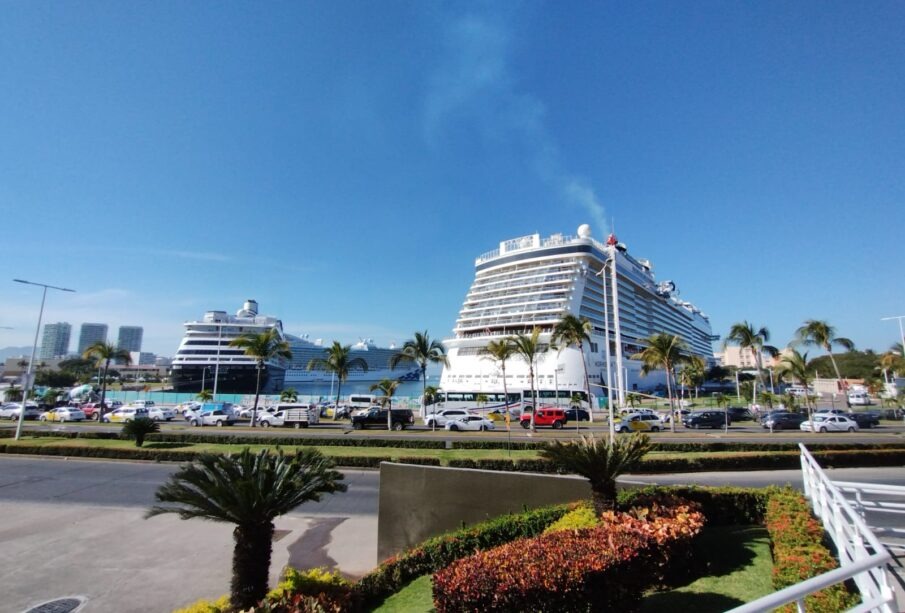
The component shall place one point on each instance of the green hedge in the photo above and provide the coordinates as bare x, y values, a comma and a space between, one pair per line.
849, 458
440, 551
722, 506
176, 455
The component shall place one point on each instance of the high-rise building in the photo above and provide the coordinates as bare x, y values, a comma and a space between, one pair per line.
55, 342
130, 338
90, 334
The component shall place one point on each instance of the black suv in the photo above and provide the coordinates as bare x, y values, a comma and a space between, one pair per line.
781, 420
377, 418
867, 419
707, 419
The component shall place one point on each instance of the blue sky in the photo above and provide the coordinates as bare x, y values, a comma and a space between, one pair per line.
344, 162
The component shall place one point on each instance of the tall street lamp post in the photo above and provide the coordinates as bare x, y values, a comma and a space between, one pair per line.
26, 386
901, 329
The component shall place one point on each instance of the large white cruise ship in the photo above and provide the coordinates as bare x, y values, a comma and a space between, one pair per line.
205, 355
532, 282
376, 358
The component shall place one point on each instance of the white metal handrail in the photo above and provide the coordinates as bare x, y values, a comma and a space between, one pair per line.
856, 493
862, 558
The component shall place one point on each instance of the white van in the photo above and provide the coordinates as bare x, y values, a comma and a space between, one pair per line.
361, 401
858, 398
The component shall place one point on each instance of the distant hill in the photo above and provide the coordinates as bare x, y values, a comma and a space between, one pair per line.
11, 352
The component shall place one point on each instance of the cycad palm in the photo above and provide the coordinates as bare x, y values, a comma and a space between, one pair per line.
422, 351
664, 351
575, 331
529, 348
103, 353
262, 347
598, 461
745, 336
249, 490
388, 388
822, 334
339, 361
794, 366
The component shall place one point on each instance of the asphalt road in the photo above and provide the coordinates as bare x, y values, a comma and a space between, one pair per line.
76, 527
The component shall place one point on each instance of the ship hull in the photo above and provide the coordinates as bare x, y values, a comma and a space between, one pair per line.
230, 379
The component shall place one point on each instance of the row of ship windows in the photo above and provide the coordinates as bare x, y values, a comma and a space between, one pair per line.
210, 352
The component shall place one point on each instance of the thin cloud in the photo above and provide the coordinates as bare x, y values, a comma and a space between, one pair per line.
474, 82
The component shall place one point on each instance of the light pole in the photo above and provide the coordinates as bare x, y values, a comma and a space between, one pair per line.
901, 329
611, 243
217, 365
606, 344
26, 386
204, 370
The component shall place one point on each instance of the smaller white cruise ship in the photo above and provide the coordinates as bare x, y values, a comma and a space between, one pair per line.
376, 358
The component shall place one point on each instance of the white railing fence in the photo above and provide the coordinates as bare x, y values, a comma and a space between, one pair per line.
882, 500
862, 558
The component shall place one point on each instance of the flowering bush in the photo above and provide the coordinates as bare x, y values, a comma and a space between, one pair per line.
799, 553
606, 567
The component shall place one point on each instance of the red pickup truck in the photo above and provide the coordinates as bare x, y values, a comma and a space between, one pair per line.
545, 417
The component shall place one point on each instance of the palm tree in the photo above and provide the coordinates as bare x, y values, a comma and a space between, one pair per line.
262, 347
430, 394
205, 395
388, 387
599, 462
289, 395
822, 334
422, 351
138, 429
572, 331
794, 366
249, 490
103, 353
746, 337
664, 351
338, 360
500, 351
529, 349
12, 394
693, 373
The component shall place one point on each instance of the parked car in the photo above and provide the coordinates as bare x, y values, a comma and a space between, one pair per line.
858, 398
866, 419
639, 422
92, 409
829, 423
707, 419
124, 414
297, 415
63, 414
376, 417
575, 414
783, 420
11, 411
545, 417
444, 416
468, 422
830, 412
740, 414
680, 413
219, 417
161, 413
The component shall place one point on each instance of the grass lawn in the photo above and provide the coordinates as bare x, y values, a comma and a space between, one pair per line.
738, 570
416, 597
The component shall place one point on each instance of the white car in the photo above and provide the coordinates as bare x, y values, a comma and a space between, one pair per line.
829, 423
266, 419
63, 414
468, 422
161, 413
124, 414
11, 411
212, 418
444, 416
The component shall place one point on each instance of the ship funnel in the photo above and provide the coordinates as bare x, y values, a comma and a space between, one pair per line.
251, 306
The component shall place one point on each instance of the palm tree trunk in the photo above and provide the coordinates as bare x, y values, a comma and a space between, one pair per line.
533, 397
835, 368
100, 409
251, 564
424, 398
603, 497
506, 408
339, 387
672, 411
254, 409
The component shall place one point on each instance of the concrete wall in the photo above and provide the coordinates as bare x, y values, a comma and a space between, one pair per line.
417, 502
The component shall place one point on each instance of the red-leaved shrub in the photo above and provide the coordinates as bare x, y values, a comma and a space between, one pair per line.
607, 567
